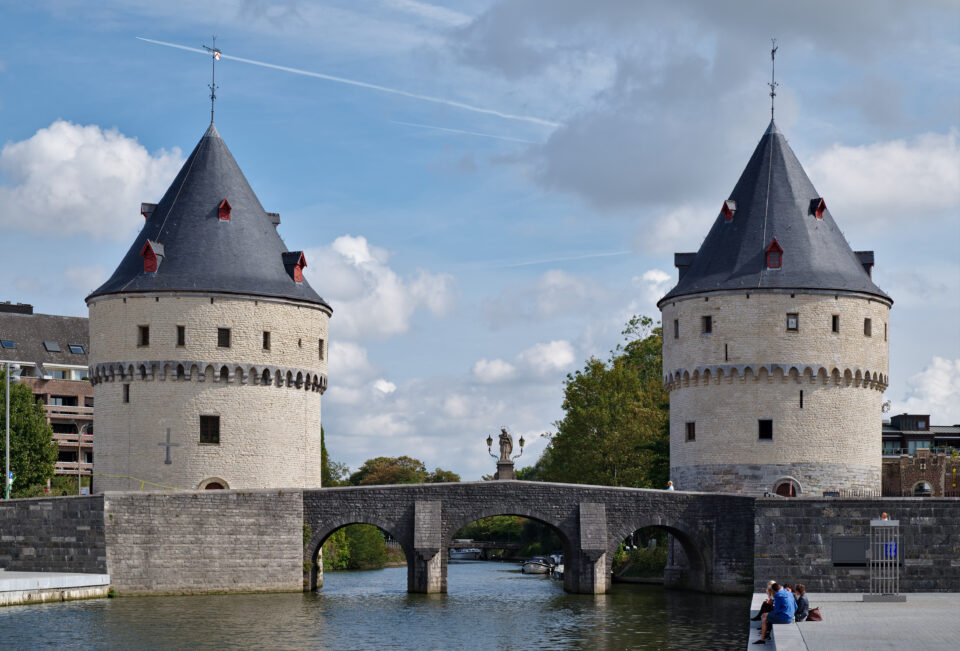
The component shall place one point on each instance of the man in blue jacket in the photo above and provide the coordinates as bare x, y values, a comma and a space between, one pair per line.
784, 609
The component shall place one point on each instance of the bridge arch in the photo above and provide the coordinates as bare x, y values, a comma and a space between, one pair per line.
692, 571
317, 538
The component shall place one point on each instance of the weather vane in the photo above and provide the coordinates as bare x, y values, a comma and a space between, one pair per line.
214, 57
773, 70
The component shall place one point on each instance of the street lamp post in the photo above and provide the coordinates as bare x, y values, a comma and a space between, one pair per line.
8, 366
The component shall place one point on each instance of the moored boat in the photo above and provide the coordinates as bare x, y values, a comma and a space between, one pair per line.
465, 554
537, 565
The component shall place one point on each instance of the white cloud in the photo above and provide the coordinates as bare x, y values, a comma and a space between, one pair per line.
654, 284
384, 387
494, 370
547, 358
555, 293
368, 297
936, 391
891, 181
348, 362
670, 230
69, 179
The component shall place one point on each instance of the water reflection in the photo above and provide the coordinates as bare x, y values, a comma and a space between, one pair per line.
489, 605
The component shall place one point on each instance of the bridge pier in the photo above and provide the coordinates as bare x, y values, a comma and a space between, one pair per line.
425, 571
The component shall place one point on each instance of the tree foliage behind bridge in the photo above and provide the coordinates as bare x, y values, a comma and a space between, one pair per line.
616, 426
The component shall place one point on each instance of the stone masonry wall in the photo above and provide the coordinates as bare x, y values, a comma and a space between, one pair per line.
53, 534
205, 541
269, 434
793, 542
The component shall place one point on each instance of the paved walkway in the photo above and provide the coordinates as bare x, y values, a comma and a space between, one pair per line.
927, 621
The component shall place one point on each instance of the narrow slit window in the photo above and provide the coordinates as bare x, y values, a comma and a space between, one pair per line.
676, 328
793, 322
320, 347
143, 335
726, 352
223, 337
867, 328
884, 331
835, 323
266, 340
692, 431
181, 335
765, 429
126, 393
801, 398
707, 325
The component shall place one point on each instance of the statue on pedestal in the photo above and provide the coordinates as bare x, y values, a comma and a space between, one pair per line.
505, 460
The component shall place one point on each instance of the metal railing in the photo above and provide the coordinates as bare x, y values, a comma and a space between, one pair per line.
896, 452
70, 468
63, 411
72, 437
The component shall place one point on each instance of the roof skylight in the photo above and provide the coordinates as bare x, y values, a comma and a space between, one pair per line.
51, 346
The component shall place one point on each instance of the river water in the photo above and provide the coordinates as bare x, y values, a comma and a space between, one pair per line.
488, 606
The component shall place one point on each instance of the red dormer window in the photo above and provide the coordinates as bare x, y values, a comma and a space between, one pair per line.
728, 210
223, 212
152, 254
298, 269
817, 207
774, 255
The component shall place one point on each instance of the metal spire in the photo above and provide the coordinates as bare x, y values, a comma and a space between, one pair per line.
773, 69
214, 57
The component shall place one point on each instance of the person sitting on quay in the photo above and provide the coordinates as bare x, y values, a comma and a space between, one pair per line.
803, 606
784, 609
766, 606
669, 485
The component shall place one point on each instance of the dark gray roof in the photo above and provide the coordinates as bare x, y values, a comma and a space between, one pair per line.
774, 199
202, 253
29, 331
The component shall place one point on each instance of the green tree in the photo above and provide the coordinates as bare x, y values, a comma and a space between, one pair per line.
616, 425
397, 470
33, 454
368, 550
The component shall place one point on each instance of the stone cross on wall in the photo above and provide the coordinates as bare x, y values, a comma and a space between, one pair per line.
168, 445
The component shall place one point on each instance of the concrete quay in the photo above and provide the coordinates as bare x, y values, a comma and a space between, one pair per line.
18, 588
927, 621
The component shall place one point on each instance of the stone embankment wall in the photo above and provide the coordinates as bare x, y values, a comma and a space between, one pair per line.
211, 541
53, 534
162, 543
794, 542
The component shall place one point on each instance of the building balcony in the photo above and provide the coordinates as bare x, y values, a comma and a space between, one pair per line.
67, 439
897, 452
70, 413
70, 468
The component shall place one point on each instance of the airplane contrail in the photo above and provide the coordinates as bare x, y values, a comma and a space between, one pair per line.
468, 133
363, 84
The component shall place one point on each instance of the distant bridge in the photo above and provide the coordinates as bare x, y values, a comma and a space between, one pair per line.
713, 533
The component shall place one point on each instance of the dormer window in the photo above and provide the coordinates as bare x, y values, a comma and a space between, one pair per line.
146, 209
223, 211
152, 254
817, 207
774, 255
295, 262
728, 210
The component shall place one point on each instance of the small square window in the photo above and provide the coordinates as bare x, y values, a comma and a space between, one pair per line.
835, 323
321, 348
223, 337
691, 431
51, 346
707, 325
143, 335
793, 322
7, 343
765, 429
181, 335
210, 429
76, 349
676, 328
126, 393
266, 340
868, 327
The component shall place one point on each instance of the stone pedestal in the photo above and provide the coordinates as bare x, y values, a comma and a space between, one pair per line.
505, 470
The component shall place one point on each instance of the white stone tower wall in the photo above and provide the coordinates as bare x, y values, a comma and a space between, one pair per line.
750, 367
269, 434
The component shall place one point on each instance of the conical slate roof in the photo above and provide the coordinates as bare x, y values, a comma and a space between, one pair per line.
200, 252
774, 199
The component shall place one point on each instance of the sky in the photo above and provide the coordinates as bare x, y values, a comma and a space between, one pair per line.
487, 191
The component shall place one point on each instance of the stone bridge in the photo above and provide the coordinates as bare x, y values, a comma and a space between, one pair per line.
713, 534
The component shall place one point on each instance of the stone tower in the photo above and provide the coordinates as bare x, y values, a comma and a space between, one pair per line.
207, 346
775, 344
